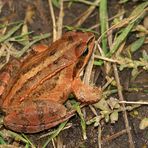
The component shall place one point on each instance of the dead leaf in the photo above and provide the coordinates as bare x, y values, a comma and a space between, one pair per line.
143, 124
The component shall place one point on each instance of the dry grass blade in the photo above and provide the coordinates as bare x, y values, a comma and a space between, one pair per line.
86, 14
121, 98
114, 136
82, 1
109, 19
99, 136
106, 59
87, 76
60, 20
88, 69
59, 142
134, 102
53, 20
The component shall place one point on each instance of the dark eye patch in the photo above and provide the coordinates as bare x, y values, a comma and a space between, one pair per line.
86, 50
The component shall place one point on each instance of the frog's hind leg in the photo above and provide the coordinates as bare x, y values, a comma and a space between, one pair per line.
85, 93
35, 115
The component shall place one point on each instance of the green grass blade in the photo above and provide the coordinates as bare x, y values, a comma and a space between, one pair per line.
20, 38
2, 140
137, 44
17, 136
136, 14
56, 133
103, 24
10, 32
28, 141
27, 145
98, 63
121, 38
56, 3
139, 9
36, 39
83, 123
12, 23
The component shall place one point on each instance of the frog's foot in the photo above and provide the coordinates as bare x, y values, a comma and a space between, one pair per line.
35, 115
85, 93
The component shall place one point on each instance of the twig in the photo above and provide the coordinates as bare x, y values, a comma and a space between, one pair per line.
100, 49
99, 136
59, 141
120, 49
53, 143
121, 98
132, 102
114, 136
53, 20
106, 59
60, 20
93, 110
107, 83
87, 76
106, 64
88, 69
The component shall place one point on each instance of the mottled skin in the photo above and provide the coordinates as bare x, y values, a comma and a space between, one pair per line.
33, 91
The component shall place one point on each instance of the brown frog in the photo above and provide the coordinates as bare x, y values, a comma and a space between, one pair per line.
33, 91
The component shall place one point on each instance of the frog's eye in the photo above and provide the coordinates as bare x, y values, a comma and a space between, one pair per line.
85, 52
87, 48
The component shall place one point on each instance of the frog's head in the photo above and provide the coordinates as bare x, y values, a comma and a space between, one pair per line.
84, 47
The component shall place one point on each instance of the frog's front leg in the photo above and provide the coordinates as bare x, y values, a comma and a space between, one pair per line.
85, 93
35, 115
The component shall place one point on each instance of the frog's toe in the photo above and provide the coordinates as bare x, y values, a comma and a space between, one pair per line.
34, 116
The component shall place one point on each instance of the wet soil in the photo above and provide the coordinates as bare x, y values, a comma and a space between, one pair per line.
15, 10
